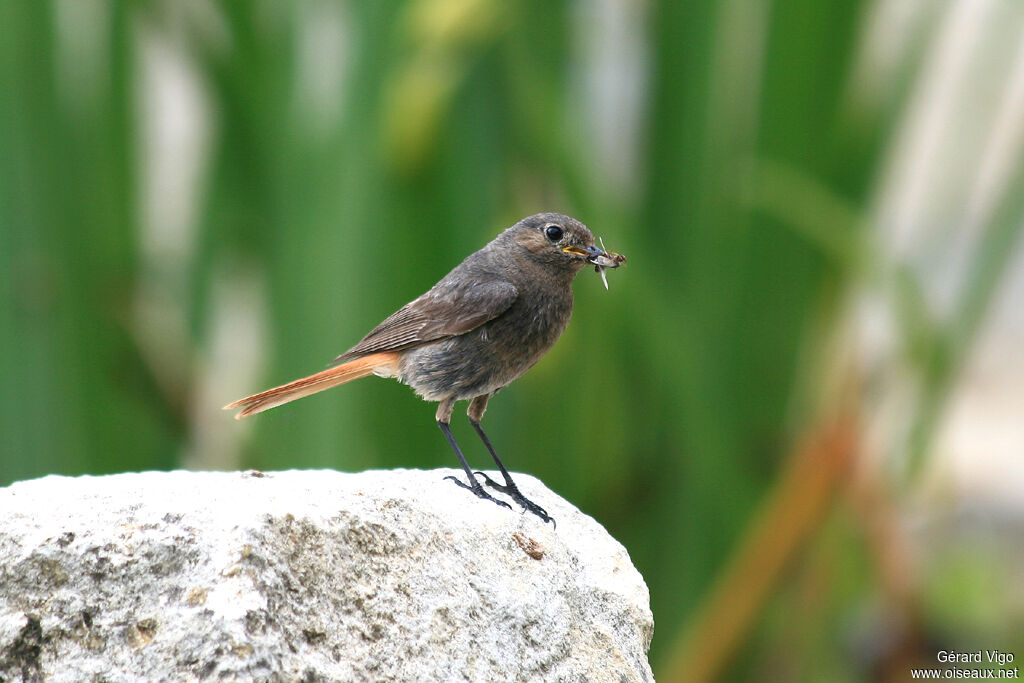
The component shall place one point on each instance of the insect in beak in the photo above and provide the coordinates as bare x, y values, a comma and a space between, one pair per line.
606, 259
599, 257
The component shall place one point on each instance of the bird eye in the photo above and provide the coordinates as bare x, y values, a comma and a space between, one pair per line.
553, 232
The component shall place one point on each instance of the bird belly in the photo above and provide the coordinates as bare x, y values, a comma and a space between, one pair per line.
458, 368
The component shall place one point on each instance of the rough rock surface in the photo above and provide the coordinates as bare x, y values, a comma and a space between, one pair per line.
309, 575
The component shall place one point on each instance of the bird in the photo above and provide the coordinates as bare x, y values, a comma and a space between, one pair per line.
481, 327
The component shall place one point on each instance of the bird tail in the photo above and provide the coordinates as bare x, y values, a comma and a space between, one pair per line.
384, 363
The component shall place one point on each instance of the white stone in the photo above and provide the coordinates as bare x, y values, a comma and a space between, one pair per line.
309, 575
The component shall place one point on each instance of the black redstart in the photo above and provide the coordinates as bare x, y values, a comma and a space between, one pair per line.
482, 326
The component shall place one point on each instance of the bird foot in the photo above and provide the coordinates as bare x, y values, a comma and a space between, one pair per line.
512, 491
479, 491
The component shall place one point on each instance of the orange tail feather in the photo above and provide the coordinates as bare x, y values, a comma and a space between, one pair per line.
382, 363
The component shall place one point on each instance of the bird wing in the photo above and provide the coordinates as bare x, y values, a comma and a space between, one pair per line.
440, 313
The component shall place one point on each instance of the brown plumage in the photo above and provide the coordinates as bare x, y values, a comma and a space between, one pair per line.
479, 328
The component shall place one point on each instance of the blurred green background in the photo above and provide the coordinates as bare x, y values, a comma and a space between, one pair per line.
798, 406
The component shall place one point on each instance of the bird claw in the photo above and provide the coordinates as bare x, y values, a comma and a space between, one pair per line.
479, 491
513, 492
490, 482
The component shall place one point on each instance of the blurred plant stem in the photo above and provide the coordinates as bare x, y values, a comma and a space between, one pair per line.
793, 510
806, 489
935, 348
949, 350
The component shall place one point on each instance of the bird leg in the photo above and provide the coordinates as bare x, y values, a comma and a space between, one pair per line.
509, 488
473, 484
